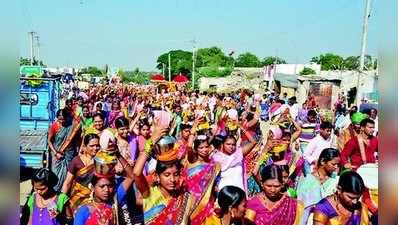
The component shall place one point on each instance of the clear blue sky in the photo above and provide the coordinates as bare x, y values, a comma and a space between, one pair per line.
133, 33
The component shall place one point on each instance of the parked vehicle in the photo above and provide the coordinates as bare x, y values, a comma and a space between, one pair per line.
39, 102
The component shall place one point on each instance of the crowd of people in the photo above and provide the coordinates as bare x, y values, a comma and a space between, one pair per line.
131, 154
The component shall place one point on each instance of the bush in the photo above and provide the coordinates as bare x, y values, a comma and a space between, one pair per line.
215, 72
307, 71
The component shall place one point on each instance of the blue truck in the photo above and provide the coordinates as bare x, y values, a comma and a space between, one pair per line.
39, 102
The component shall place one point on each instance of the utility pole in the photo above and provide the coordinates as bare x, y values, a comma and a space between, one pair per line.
31, 47
363, 47
169, 67
38, 48
193, 64
272, 71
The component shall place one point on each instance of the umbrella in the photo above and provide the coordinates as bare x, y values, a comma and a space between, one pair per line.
180, 79
157, 77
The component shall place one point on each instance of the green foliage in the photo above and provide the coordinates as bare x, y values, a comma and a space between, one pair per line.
94, 71
369, 62
197, 77
136, 76
272, 60
26, 62
329, 61
307, 71
212, 57
214, 71
181, 62
375, 63
353, 63
247, 60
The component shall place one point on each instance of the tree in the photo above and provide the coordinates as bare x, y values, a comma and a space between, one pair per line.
307, 71
329, 61
181, 62
247, 60
26, 62
94, 71
213, 57
351, 63
214, 71
272, 60
136, 76
369, 62
375, 63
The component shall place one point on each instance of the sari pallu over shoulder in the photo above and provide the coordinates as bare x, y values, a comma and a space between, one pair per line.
101, 214
200, 181
80, 192
325, 213
176, 212
59, 167
287, 211
195, 204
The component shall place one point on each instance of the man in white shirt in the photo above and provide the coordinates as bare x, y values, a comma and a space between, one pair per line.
293, 107
317, 144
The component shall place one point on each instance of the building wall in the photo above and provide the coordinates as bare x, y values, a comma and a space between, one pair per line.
305, 86
290, 91
231, 83
302, 91
296, 68
368, 80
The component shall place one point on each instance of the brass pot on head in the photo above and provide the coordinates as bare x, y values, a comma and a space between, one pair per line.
104, 163
165, 149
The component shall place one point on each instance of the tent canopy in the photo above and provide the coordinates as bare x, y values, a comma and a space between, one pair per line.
180, 78
157, 77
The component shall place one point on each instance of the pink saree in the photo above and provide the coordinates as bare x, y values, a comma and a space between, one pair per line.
285, 212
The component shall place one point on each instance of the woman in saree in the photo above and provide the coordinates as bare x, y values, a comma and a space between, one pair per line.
344, 206
166, 201
86, 119
98, 125
319, 184
79, 174
278, 149
107, 135
232, 202
107, 197
114, 113
202, 173
144, 133
287, 182
250, 123
271, 205
126, 142
62, 143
